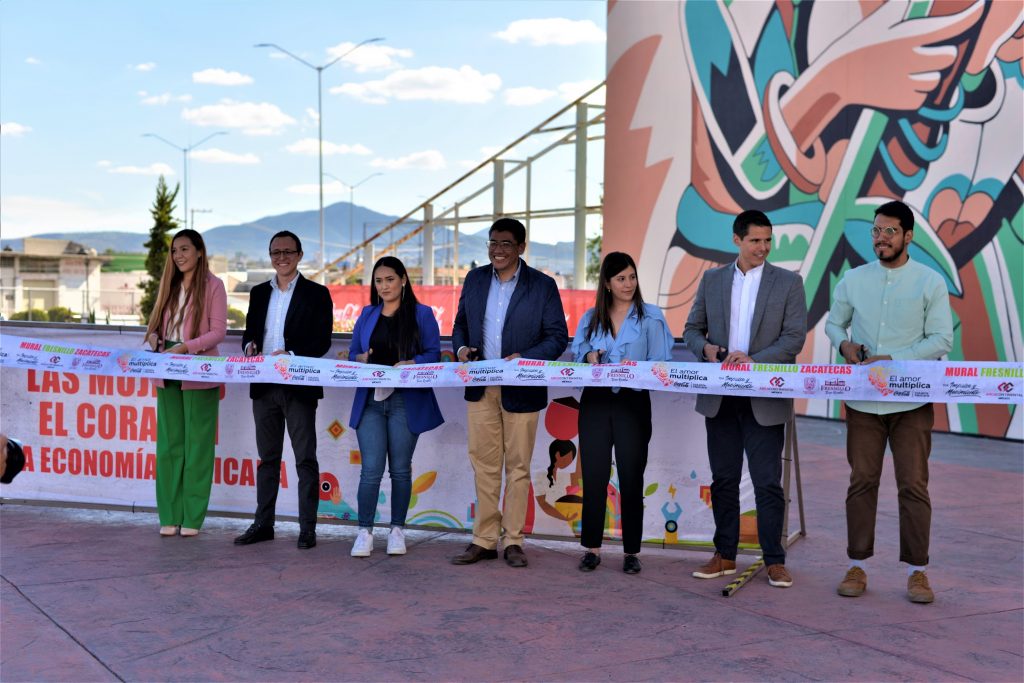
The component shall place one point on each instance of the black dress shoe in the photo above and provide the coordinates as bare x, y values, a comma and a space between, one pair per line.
254, 534
589, 562
307, 540
474, 553
631, 565
514, 556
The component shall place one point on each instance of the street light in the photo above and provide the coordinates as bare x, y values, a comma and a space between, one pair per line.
184, 151
320, 127
352, 201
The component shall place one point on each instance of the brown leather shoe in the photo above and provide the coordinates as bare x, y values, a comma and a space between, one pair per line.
474, 553
854, 583
778, 576
514, 556
918, 589
715, 567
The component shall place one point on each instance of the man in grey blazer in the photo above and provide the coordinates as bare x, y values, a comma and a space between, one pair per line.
748, 311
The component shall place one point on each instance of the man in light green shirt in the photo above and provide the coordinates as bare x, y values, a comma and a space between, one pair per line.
894, 309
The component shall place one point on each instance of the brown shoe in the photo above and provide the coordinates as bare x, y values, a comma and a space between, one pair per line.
778, 576
716, 567
918, 589
854, 583
474, 553
514, 556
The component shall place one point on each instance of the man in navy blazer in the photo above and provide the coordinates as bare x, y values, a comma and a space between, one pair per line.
747, 311
506, 310
287, 315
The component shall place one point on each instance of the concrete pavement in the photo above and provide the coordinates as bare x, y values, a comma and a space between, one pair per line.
98, 595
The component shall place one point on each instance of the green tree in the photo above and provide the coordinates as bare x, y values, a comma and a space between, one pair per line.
158, 246
594, 259
236, 319
60, 314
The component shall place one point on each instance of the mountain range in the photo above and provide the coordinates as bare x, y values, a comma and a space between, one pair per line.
249, 240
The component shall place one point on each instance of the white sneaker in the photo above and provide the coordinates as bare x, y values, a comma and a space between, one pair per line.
396, 541
364, 544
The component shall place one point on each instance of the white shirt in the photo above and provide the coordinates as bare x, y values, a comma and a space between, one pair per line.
551, 493
277, 310
741, 308
176, 325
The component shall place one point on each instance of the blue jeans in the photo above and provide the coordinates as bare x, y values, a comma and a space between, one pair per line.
384, 436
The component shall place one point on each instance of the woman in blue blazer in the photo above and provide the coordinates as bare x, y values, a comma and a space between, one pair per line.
393, 330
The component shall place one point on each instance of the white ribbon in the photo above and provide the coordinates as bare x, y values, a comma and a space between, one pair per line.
907, 381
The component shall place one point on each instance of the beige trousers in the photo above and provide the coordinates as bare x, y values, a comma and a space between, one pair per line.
500, 439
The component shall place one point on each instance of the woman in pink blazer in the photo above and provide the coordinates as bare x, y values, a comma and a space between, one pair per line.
189, 317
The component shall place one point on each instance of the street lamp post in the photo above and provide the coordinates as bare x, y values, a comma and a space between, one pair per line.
320, 128
352, 202
184, 151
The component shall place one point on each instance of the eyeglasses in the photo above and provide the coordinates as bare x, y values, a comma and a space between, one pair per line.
283, 253
503, 245
888, 230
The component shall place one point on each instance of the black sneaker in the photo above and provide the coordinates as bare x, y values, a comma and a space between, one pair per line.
631, 565
589, 562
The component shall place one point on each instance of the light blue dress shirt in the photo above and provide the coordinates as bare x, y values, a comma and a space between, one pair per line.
900, 312
638, 339
498, 296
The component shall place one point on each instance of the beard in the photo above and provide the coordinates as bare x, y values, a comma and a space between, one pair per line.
897, 253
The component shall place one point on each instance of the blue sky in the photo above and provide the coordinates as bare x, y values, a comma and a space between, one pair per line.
81, 82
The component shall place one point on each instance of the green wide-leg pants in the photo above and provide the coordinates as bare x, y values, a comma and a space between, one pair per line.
186, 427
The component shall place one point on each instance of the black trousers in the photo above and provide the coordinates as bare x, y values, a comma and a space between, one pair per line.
730, 433
621, 421
272, 412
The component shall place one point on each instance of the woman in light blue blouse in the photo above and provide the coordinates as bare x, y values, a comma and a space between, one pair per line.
619, 327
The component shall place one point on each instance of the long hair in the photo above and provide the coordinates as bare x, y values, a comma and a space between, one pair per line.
614, 263
557, 447
171, 283
408, 329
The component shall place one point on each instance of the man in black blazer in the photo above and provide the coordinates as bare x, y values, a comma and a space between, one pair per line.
506, 310
287, 315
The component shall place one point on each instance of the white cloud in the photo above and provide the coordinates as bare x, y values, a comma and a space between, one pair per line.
160, 100
13, 130
570, 91
24, 215
553, 31
372, 57
488, 151
311, 113
32, 60
145, 66
220, 77
428, 160
465, 85
220, 156
104, 163
253, 118
331, 188
308, 146
527, 96
153, 169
